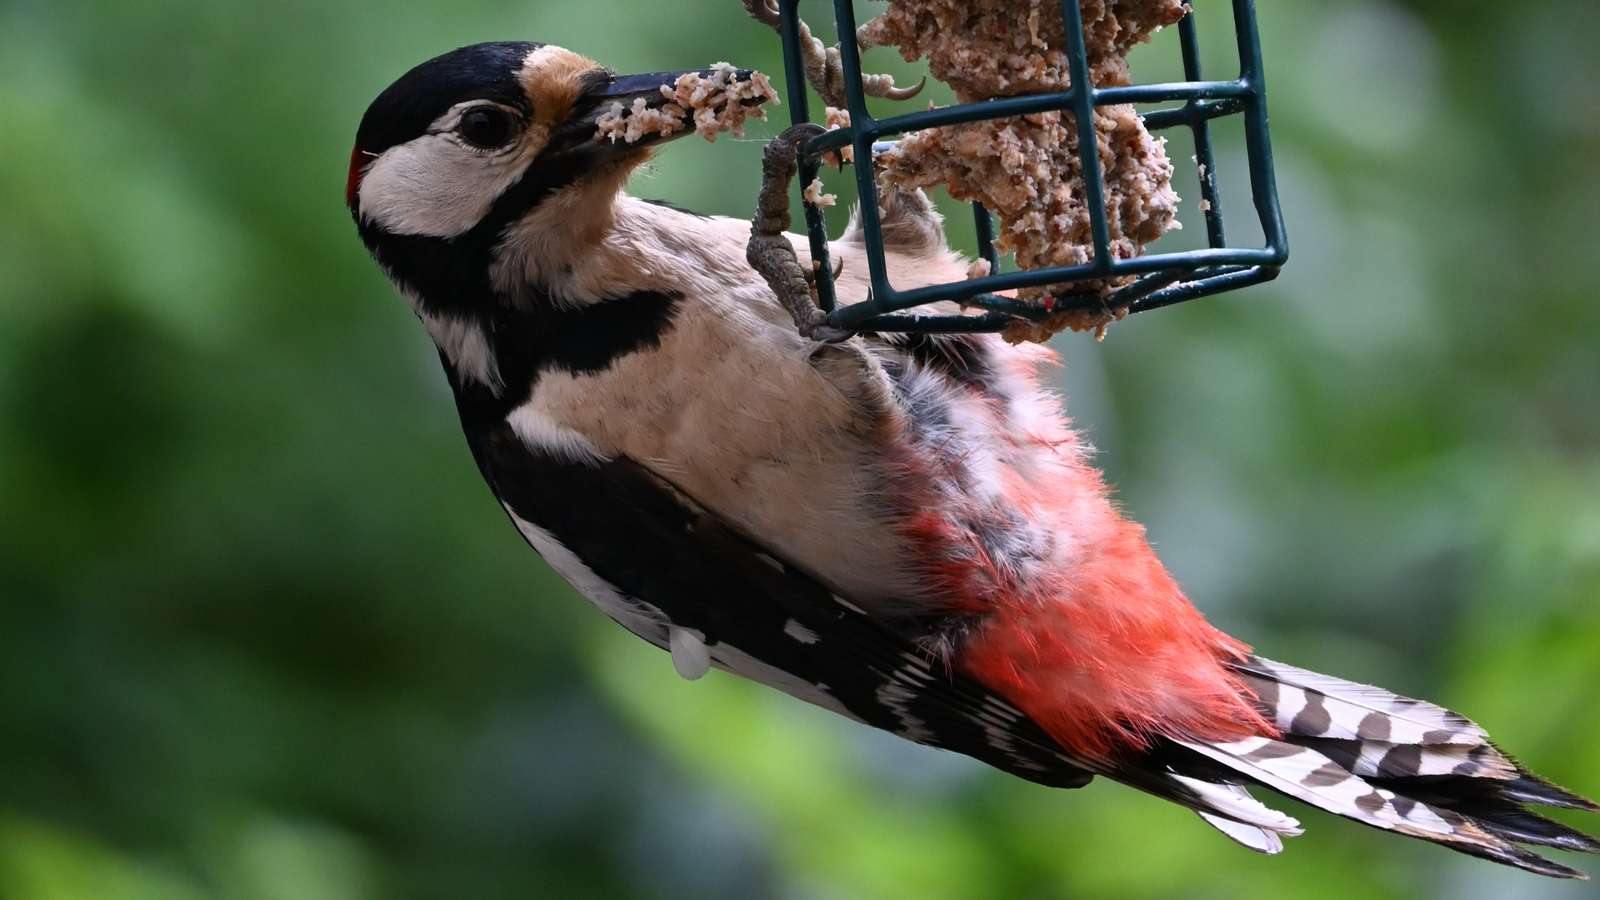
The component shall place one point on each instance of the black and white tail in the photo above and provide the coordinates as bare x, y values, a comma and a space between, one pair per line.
1388, 761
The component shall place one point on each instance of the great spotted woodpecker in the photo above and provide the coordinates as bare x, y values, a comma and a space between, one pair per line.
901, 529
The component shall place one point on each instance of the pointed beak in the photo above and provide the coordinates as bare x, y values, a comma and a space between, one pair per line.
625, 89
619, 94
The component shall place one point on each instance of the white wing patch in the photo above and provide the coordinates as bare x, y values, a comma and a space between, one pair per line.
799, 632
904, 686
998, 719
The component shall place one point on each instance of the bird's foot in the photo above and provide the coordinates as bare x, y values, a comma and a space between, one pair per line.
769, 251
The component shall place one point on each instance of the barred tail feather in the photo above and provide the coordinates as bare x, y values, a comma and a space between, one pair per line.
1393, 763
1312, 778
1314, 705
1530, 788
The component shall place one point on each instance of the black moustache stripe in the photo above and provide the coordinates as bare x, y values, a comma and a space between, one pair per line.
450, 276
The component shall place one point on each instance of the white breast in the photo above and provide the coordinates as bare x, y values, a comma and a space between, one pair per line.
779, 435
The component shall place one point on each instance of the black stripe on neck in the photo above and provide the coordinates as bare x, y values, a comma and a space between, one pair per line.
530, 340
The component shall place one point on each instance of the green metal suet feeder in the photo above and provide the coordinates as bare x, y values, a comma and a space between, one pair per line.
1163, 278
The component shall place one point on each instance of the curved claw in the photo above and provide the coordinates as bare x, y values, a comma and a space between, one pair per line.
798, 134
906, 93
764, 11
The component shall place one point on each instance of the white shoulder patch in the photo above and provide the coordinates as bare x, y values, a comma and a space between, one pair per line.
540, 432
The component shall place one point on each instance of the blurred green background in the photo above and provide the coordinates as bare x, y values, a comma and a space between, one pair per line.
264, 634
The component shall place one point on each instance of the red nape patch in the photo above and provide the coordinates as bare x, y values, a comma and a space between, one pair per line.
358, 169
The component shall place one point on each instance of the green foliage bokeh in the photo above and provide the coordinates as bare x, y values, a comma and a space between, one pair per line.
264, 634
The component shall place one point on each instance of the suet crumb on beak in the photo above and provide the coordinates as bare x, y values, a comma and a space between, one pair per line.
717, 102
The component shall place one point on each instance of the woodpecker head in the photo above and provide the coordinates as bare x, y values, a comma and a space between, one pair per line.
463, 152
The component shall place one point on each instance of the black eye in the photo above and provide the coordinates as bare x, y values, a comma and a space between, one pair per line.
486, 126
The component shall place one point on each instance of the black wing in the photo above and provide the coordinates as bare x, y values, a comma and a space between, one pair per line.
681, 565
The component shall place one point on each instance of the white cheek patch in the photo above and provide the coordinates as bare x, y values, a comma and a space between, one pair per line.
434, 186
